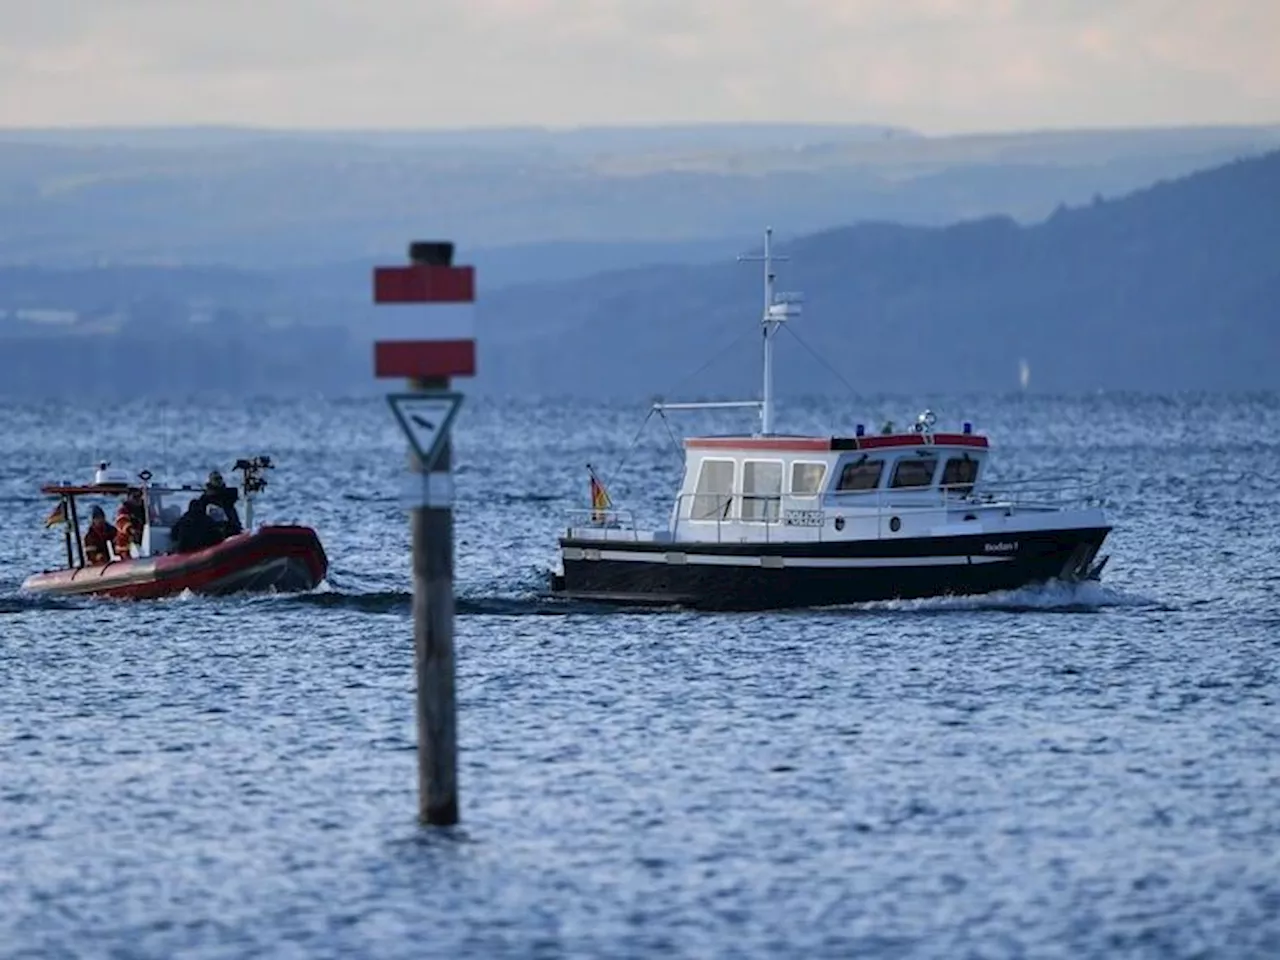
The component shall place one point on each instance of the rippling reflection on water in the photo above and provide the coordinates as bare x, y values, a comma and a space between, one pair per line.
1087, 772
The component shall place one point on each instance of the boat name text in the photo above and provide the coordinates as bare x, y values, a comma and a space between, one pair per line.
803, 518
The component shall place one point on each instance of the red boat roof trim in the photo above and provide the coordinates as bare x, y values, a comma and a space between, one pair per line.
759, 443
826, 444
111, 489
88, 489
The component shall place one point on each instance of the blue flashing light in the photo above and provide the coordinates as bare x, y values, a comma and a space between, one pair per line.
859, 430
967, 427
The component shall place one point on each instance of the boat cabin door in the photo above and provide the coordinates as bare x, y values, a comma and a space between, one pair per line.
160, 519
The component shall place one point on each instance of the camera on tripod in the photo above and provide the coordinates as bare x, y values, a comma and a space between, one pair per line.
252, 469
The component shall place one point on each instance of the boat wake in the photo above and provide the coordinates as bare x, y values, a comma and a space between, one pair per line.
14, 603
393, 602
1090, 597
400, 603
1056, 597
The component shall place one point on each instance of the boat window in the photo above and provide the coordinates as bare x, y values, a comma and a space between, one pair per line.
806, 478
862, 474
914, 472
960, 473
761, 489
714, 492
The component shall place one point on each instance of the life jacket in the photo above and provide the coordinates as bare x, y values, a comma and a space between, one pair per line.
127, 531
96, 542
138, 512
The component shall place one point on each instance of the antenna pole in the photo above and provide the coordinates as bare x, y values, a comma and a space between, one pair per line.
769, 322
766, 410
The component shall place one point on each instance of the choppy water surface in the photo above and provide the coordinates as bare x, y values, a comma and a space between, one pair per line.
1087, 772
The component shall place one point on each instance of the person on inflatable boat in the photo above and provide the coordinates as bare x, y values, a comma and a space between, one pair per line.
195, 529
130, 519
218, 494
97, 539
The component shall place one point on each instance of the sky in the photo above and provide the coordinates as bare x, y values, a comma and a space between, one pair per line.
937, 66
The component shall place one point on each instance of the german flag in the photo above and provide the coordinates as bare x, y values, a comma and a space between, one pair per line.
600, 501
57, 515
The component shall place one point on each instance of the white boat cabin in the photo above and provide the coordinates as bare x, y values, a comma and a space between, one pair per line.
774, 488
746, 489
805, 488
785, 479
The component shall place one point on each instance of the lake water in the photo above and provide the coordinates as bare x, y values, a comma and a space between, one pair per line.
1087, 772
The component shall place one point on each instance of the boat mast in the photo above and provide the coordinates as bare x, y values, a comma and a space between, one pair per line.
777, 309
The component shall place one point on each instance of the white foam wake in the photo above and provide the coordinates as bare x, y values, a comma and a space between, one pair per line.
1056, 596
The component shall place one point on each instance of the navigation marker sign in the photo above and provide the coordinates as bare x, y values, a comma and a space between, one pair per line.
425, 419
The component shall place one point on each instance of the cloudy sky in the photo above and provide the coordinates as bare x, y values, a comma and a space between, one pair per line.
936, 65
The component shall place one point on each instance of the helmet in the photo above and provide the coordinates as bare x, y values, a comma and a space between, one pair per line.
215, 479
97, 513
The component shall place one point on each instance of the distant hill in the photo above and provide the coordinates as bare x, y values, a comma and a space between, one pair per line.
262, 199
585, 139
332, 288
1173, 287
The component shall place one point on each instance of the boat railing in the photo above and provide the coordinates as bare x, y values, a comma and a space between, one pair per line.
1043, 492
1031, 493
769, 514
610, 520
759, 511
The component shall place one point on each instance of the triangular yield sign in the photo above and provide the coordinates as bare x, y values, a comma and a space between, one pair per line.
425, 419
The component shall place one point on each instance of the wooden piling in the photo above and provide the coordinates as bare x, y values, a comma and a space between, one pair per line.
435, 352
431, 524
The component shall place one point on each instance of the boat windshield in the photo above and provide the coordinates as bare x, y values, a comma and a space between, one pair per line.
913, 472
960, 474
160, 512
862, 474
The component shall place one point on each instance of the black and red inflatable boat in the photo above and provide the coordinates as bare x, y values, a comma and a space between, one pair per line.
282, 558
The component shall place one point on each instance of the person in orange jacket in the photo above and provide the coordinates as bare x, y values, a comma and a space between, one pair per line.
130, 519
98, 538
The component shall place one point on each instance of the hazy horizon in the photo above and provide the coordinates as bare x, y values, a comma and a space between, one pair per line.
656, 125
935, 66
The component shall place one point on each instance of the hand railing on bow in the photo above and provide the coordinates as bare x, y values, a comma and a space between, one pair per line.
769, 517
609, 524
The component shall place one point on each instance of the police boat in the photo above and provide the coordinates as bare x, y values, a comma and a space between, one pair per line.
149, 564
767, 521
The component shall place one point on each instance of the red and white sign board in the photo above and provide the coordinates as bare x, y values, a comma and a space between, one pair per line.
423, 283
413, 342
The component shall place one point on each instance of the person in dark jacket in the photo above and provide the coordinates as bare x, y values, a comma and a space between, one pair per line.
194, 530
217, 493
218, 519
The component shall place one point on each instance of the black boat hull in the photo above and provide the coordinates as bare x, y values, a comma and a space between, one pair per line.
776, 576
